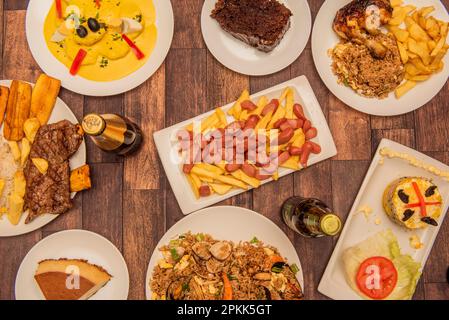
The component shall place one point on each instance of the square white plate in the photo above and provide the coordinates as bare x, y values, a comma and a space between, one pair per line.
358, 228
166, 139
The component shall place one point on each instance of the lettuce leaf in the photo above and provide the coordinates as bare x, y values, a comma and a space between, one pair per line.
386, 245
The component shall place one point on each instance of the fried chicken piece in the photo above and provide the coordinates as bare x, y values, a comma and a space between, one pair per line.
360, 20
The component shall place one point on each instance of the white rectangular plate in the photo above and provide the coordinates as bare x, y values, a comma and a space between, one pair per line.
358, 228
181, 188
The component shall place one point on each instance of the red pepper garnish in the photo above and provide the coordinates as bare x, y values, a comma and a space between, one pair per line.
415, 205
422, 201
98, 3
139, 54
76, 65
59, 8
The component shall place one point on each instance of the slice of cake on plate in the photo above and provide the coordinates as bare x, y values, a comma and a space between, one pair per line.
70, 279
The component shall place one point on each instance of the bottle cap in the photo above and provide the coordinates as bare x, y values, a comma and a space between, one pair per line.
93, 124
330, 224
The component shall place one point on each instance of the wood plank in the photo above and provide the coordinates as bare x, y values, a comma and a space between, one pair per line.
102, 205
403, 136
12, 251
72, 219
18, 62
186, 73
187, 24
16, 4
314, 182
304, 66
406, 121
102, 105
437, 263
145, 106
437, 291
432, 123
351, 131
141, 233
262, 83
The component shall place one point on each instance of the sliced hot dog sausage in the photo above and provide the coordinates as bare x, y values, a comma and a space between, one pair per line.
252, 121
205, 191
248, 105
249, 170
311, 133
285, 136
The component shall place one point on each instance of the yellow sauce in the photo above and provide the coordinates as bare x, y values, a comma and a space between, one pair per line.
109, 56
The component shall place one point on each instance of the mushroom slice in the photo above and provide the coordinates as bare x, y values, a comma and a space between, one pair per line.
221, 250
201, 249
214, 266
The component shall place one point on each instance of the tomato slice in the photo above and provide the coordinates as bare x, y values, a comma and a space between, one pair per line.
377, 277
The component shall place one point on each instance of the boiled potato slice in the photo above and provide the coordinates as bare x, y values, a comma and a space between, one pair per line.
404, 88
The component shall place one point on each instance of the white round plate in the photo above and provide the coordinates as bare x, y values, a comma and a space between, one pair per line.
75, 244
228, 223
324, 38
60, 112
240, 57
37, 12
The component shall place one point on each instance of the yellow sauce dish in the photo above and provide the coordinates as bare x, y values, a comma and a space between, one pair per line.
101, 40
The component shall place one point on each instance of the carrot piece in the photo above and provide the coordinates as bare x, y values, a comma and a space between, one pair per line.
227, 288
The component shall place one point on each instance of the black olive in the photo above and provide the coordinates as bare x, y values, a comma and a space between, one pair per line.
403, 196
430, 221
407, 214
81, 31
430, 191
93, 24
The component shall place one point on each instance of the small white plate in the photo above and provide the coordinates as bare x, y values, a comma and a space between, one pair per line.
357, 228
75, 244
37, 12
221, 224
60, 112
179, 183
324, 38
240, 57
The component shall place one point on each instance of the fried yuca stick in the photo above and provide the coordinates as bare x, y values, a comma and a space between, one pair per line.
17, 110
4, 93
44, 97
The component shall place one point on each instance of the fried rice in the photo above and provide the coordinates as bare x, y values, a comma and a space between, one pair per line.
198, 267
356, 67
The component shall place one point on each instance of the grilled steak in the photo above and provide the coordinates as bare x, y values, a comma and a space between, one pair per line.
260, 23
50, 193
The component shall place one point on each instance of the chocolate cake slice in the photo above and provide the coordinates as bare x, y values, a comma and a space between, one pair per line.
260, 23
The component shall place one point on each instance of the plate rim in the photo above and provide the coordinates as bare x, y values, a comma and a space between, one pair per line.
254, 71
81, 231
83, 149
91, 88
205, 211
349, 94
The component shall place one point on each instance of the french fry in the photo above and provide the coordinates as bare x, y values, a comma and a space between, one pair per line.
44, 97
30, 128
418, 78
403, 52
262, 124
396, 3
25, 151
207, 180
236, 109
19, 184
418, 33
289, 102
203, 172
287, 91
292, 163
193, 184
404, 88
207, 123
220, 188
4, 94
279, 114
400, 34
210, 167
425, 11
221, 116
80, 179
15, 150
17, 110
253, 182
231, 181
15, 203
438, 47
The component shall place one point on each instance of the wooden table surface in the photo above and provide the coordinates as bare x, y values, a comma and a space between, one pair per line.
131, 202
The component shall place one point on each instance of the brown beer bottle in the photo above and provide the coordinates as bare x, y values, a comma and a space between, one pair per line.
113, 133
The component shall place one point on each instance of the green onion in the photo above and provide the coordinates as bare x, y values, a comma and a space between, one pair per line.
199, 237
185, 287
232, 277
294, 268
276, 270
254, 240
174, 254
